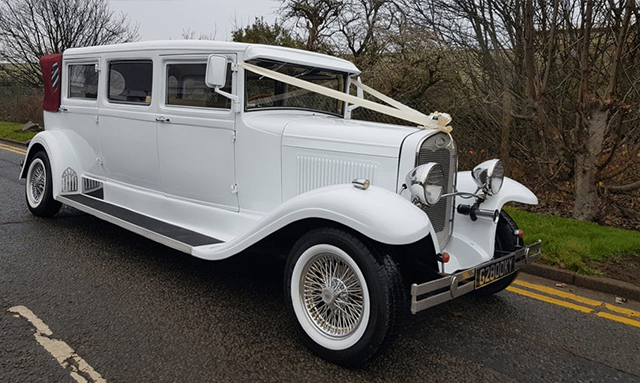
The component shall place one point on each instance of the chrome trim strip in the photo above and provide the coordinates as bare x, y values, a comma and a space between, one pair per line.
463, 282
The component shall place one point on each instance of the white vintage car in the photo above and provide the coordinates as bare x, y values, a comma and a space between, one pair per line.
213, 147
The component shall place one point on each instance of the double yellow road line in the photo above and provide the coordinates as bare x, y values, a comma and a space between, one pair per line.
13, 149
586, 305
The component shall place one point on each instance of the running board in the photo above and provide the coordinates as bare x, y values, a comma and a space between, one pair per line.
170, 235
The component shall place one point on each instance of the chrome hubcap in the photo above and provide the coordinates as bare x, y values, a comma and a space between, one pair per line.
37, 182
332, 295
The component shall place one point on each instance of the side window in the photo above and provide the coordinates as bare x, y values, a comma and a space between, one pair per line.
186, 87
130, 81
83, 81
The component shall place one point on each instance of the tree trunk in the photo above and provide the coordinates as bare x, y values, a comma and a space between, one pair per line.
505, 139
594, 125
586, 176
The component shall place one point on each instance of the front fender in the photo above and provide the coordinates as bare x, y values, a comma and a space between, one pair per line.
376, 213
472, 242
512, 191
60, 152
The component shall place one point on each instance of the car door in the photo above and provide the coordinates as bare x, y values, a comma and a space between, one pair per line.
196, 134
79, 110
128, 123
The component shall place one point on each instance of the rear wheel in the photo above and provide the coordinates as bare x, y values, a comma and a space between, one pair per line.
506, 242
345, 299
38, 187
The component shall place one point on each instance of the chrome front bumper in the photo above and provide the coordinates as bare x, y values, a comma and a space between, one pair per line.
454, 285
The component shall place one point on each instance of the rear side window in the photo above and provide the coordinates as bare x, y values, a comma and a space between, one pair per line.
83, 81
131, 81
186, 87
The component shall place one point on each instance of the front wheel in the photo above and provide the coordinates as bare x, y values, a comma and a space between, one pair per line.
345, 299
38, 187
506, 242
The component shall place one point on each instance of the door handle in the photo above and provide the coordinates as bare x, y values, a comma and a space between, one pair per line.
162, 119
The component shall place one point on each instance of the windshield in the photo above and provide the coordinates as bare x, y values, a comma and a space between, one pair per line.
263, 92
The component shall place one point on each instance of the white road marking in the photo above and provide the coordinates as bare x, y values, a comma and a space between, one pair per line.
68, 359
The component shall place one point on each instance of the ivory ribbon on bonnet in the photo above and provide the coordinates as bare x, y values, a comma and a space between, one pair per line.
435, 120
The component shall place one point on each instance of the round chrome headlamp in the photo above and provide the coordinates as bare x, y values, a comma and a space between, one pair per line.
426, 183
489, 176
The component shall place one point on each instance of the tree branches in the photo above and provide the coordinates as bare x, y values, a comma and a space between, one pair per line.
30, 29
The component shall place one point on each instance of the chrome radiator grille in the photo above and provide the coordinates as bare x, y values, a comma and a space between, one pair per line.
441, 149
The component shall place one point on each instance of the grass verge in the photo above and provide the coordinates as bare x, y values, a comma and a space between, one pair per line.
13, 131
573, 244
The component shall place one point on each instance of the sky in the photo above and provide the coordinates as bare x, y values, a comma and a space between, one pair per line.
167, 19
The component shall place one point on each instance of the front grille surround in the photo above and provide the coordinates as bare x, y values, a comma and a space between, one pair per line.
441, 148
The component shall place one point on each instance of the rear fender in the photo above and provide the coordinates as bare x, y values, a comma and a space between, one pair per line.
60, 152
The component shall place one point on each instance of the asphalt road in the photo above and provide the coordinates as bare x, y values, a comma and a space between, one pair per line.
136, 311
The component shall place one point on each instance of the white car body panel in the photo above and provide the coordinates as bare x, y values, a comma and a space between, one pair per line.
323, 150
276, 53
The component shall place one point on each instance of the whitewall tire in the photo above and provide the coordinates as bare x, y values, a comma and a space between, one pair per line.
38, 187
344, 298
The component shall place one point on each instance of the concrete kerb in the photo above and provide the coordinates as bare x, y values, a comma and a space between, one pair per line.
19, 144
605, 285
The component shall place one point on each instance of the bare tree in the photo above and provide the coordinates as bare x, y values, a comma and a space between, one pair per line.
580, 57
358, 28
599, 105
487, 37
368, 26
30, 29
563, 75
316, 18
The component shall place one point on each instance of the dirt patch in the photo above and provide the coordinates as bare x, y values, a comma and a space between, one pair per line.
624, 268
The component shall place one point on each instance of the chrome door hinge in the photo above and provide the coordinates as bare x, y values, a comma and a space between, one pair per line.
233, 136
234, 189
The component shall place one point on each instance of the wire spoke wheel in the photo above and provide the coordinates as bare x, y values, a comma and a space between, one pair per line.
37, 181
343, 296
332, 295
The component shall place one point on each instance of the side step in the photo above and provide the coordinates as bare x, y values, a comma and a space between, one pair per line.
170, 235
